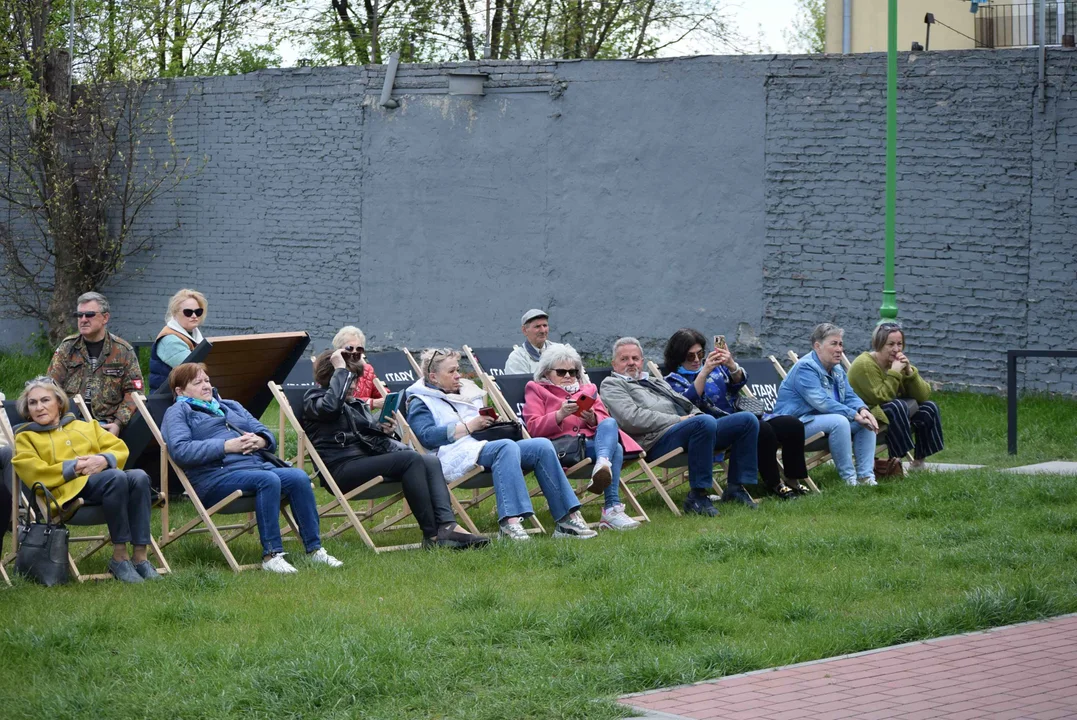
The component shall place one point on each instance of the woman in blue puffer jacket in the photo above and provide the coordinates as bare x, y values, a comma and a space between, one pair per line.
222, 448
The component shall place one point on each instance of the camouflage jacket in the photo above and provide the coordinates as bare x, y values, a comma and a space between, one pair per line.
108, 387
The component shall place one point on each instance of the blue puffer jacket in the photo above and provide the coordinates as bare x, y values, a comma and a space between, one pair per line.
196, 440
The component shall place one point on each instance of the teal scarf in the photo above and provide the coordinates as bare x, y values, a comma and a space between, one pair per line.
213, 407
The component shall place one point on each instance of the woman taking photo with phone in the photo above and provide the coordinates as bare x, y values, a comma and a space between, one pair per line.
357, 448
557, 405
181, 333
712, 379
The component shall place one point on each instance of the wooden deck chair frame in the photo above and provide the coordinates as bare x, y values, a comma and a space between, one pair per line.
379, 494
204, 516
478, 480
580, 472
69, 516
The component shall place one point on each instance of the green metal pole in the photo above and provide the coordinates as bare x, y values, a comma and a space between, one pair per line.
888, 310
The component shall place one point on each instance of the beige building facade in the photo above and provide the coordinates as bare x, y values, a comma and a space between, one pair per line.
868, 24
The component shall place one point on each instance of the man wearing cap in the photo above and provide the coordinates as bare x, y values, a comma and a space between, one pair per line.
98, 365
524, 359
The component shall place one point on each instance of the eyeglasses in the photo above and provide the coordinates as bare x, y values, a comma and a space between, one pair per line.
571, 372
354, 349
890, 325
696, 355
196, 312
430, 365
88, 315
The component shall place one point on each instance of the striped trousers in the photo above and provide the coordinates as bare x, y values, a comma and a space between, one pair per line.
927, 424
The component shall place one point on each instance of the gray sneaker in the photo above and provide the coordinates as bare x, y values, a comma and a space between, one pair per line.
147, 570
512, 531
574, 526
124, 571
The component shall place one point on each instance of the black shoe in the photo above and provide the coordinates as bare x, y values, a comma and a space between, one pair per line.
699, 505
800, 489
737, 493
147, 571
124, 571
784, 492
459, 540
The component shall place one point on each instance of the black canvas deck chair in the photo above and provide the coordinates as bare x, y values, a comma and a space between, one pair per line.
74, 513
236, 503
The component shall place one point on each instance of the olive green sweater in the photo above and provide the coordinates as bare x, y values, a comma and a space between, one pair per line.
876, 386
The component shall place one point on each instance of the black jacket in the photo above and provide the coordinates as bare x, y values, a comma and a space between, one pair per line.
325, 420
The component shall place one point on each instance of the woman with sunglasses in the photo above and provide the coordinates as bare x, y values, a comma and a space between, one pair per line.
180, 335
885, 379
352, 341
444, 411
711, 380
552, 410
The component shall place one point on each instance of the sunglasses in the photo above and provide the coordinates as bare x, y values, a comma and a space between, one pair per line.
196, 312
354, 349
88, 315
696, 355
571, 372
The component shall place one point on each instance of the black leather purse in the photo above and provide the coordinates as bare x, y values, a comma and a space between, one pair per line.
42, 553
570, 449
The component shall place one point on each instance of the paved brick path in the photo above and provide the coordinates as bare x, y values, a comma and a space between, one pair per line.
1022, 671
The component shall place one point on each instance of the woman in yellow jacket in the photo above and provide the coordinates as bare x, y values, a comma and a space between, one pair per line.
76, 459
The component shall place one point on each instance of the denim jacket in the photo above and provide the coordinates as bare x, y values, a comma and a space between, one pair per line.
809, 390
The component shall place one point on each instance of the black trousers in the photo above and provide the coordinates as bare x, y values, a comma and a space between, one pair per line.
124, 495
6, 473
419, 475
786, 432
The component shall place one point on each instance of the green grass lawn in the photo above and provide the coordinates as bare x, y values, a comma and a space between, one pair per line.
558, 629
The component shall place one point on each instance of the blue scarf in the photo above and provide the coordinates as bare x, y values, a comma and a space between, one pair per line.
213, 407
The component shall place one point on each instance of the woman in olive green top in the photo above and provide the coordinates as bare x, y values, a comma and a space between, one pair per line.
886, 380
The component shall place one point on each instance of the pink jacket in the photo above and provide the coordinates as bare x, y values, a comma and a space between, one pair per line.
543, 400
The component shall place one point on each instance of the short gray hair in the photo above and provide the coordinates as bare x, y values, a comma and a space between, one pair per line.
555, 355
431, 359
627, 340
824, 330
93, 297
42, 381
346, 332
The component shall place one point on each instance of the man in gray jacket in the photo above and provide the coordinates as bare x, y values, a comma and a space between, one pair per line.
660, 419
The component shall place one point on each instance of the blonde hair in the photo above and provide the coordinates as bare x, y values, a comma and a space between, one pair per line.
177, 300
431, 359
346, 332
42, 381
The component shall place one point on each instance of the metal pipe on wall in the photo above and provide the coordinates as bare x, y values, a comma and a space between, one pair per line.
1043, 52
847, 26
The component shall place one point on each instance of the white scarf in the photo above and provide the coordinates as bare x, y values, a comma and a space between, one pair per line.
459, 456
196, 337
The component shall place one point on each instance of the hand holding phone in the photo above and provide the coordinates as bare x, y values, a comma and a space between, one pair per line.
389, 407
488, 412
583, 404
719, 342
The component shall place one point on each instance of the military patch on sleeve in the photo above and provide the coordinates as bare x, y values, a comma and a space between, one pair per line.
137, 382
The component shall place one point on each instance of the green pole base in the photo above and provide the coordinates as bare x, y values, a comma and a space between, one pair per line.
888, 310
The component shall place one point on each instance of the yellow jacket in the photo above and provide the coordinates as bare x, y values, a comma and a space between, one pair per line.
47, 454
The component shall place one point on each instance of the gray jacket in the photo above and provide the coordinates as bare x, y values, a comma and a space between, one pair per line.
644, 412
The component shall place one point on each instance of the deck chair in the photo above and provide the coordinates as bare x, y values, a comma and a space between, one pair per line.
76, 513
507, 392
387, 494
236, 503
478, 480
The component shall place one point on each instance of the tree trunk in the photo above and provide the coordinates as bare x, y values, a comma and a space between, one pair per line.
495, 28
469, 34
358, 41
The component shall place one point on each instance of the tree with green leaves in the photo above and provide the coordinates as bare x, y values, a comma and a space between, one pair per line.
809, 27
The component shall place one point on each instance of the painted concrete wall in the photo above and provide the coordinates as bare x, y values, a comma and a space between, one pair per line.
722, 193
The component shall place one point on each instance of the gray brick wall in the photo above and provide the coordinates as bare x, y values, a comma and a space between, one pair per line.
629, 198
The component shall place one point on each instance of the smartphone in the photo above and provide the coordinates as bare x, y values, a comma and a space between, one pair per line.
392, 403
719, 342
583, 404
488, 412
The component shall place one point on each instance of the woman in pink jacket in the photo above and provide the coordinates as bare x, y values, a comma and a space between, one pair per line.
551, 410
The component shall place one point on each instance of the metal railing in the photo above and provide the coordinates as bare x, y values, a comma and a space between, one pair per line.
1002, 26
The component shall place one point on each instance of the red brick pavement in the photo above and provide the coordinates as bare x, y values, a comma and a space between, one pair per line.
1026, 671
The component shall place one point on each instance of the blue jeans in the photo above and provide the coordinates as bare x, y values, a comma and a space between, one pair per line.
270, 487
606, 443
845, 435
508, 461
700, 435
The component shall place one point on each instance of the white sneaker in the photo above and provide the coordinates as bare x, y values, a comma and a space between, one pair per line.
574, 526
869, 481
601, 476
278, 564
615, 518
851, 482
321, 557
512, 530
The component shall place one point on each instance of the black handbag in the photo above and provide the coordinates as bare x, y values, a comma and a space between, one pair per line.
755, 406
570, 449
42, 553
500, 430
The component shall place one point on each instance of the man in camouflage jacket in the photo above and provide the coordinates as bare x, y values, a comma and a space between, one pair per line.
98, 365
